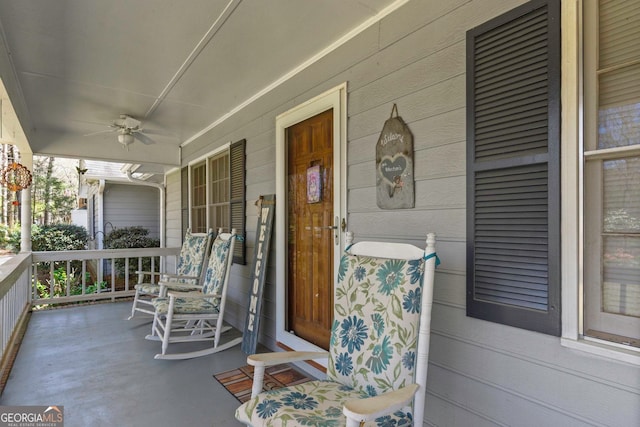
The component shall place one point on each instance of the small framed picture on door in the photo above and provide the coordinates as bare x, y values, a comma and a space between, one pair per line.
314, 184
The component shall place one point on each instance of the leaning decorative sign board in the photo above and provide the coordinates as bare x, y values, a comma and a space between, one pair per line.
394, 164
267, 207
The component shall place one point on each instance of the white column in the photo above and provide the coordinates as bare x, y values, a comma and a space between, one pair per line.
26, 159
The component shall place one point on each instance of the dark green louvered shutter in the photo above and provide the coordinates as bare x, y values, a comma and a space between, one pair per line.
237, 204
513, 168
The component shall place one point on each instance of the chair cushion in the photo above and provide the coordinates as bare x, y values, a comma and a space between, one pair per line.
217, 266
148, 288
192, 255
185, 306
376, 321
314, 403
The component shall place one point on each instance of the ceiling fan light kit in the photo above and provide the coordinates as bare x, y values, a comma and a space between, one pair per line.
128, 131
125, 138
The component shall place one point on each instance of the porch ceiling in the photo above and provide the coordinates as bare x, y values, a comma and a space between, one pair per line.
71, 67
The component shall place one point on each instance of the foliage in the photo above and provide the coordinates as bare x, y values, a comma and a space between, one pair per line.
53, 191
60, 283
131, 237
57, 237
9, 235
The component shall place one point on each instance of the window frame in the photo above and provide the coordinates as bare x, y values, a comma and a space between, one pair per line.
206, 160
572, 187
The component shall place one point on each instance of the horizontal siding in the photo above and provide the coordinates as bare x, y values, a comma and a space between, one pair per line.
132, 205
173, 215
481, 374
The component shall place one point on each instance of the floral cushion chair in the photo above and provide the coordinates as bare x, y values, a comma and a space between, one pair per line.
193, 255
197, 315
378, 355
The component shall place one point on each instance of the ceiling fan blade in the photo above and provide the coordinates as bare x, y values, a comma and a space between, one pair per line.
143, 138
152, 132
99, 132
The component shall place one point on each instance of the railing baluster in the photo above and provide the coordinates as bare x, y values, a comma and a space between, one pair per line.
113, 278
100, 275
84, 276
68, 278
52, 280
126, 274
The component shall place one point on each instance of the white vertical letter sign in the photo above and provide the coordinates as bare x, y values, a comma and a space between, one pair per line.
260, 258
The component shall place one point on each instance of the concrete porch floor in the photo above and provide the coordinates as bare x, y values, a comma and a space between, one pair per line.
98, 365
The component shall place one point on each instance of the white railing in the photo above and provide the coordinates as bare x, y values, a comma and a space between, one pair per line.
39, 279
15, 294
87, 275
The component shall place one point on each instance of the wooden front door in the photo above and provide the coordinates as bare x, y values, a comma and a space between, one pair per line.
311, 232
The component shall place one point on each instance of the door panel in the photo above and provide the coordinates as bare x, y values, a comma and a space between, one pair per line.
310, 237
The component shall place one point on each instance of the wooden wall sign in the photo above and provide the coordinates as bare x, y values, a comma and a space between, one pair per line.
394, 165
267, 206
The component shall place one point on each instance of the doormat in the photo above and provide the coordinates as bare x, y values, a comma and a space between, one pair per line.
239, 381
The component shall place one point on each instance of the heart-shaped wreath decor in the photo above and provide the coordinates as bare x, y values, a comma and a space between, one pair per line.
393, 168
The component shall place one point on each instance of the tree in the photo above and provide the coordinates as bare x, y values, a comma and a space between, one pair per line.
9, 212
47, 189
53, 192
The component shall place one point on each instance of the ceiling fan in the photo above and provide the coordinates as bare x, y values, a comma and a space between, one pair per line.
128, 130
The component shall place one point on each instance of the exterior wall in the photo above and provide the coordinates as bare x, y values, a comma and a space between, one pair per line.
173, 210
131, 205
173, 226
480, 373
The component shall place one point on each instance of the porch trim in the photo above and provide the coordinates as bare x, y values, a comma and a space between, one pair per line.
335, 98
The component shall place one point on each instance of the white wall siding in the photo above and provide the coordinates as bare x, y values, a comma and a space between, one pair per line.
173, 214
481, 373
132, 205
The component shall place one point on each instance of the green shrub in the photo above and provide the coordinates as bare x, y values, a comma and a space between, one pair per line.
131, 237
56, 237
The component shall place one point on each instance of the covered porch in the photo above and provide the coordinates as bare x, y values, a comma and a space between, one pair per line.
78, 349
537, 184
98, 365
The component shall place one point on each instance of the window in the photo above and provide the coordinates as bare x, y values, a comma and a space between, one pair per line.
513, 168
611, 177
217, 194
199, 198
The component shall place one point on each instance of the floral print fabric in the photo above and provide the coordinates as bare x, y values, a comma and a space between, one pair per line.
314, 403
217, 267
213, 282
372, 349
375, 326
192, 255
184, 306
190, 262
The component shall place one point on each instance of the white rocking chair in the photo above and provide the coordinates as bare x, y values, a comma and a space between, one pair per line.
193, 255
379, 347
193, 316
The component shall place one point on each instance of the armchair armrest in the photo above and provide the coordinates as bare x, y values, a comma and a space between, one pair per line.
275, 358
262, 360
374, 407
177, 286
167, 277
191, 294
154, 273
